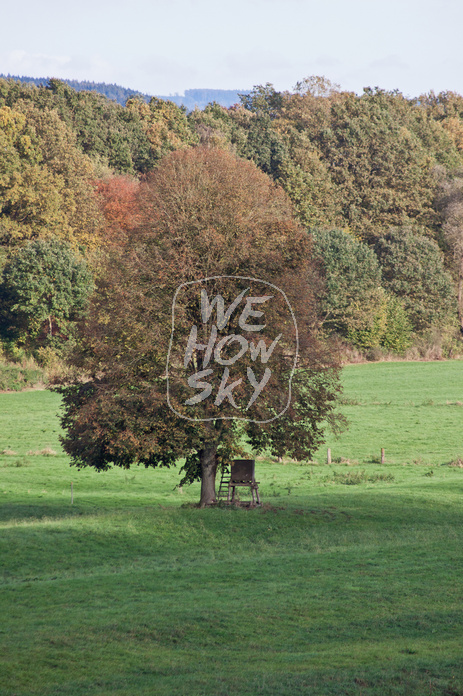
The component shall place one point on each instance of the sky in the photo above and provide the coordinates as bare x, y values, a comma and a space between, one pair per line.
165, 47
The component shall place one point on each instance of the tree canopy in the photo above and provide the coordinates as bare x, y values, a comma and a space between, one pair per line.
73, 160
45, 181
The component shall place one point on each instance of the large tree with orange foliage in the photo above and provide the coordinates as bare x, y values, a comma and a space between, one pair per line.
211, 272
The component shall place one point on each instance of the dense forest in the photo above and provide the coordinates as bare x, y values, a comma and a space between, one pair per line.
376, 179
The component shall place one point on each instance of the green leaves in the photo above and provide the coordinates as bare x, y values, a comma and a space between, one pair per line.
352, 295
45, 182
413, 270
354, 303
44, 288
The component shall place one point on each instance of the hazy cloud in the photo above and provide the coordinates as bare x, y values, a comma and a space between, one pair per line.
326, 61
255, 60
390, 62
164, 75
413, 45
21, 62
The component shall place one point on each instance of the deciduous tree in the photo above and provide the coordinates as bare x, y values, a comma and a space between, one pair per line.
413, 270
45, 181
117, 198
199, 281
450, 204
45, 286
352, 294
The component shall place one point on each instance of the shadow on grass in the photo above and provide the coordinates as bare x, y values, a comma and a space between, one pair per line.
22, 512
379, 507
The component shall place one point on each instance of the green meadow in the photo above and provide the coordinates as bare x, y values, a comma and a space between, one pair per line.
347, 580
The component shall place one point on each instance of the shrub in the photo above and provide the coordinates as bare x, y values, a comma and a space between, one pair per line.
390, 329
352, 478
397, 335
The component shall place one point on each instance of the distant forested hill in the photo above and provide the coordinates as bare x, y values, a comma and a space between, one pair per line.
192, 98
114, 92
200, 98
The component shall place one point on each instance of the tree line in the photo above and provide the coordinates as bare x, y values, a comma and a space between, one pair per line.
376, 180
351, 205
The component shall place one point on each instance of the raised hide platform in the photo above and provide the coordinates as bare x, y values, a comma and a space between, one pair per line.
242, 474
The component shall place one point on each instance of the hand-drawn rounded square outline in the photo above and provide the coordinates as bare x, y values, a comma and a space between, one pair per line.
203, 280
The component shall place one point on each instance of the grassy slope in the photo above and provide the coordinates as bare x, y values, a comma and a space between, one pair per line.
327, 589
413, 410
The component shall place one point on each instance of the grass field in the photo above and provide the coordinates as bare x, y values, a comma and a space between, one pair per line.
348, 580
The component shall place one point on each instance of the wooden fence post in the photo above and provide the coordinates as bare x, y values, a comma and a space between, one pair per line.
383, 458
328, 456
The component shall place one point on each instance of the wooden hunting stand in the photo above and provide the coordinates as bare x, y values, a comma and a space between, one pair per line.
242, 473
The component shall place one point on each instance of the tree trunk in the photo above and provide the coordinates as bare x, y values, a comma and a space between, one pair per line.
460, 295
208, 471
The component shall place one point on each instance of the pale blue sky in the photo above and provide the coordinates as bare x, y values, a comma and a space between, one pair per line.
166, 47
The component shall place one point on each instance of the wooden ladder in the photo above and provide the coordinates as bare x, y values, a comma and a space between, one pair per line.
223, 487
